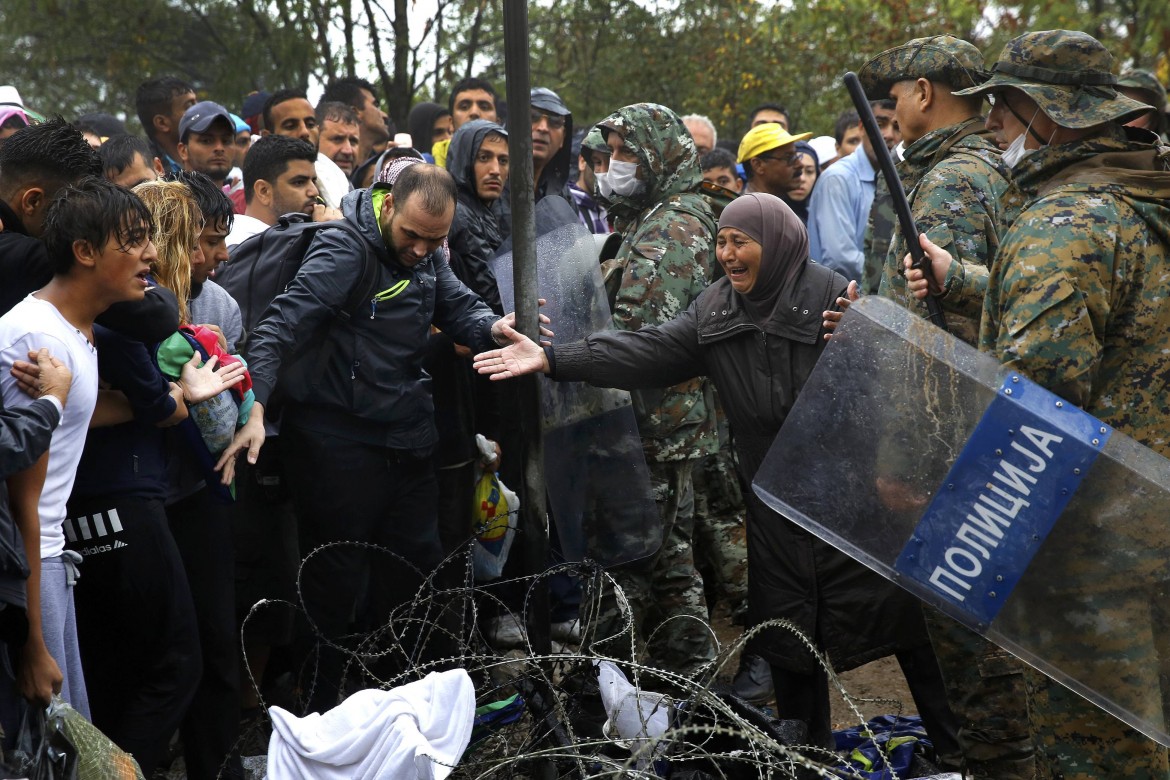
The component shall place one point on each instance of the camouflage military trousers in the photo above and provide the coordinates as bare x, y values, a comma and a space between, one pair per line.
985, 688
1075, 739
663, 600
720, 539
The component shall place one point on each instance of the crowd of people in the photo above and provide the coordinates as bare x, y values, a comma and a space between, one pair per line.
173, 449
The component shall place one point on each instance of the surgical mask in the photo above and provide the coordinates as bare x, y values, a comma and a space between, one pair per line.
603, 185
1016, 151
623, 177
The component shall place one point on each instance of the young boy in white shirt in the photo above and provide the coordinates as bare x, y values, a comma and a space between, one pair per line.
98, 239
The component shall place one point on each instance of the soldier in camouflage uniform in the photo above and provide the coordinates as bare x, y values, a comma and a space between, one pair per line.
1078, 300
953, 178
667, 242
883, 223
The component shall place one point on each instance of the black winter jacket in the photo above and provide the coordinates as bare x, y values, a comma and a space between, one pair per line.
475, 235
362, 378
850, 612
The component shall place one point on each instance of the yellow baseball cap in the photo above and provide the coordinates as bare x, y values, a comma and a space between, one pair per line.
762, 138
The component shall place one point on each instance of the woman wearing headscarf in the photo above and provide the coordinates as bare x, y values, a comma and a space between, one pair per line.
797, 199
757, 333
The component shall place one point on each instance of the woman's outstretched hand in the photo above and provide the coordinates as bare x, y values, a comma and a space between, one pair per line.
831, 318
522, 356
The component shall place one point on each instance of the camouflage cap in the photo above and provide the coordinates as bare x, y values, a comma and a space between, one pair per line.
1146, 82
942, 58
1068, 73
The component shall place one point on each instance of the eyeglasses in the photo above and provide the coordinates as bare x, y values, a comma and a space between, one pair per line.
791, 159
554, 122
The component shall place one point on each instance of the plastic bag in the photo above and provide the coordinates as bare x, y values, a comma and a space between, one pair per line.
40, 752
495, 513
95, 754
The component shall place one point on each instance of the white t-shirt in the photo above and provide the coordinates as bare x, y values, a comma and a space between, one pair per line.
29, 326
243, 228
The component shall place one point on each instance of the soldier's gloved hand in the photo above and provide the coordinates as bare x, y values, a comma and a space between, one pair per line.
940, 262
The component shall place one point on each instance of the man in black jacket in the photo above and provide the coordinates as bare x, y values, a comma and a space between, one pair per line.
478, 161
358, 421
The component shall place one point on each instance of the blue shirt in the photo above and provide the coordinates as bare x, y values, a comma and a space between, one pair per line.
838, 213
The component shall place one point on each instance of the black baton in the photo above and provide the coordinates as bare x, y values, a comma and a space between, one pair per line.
901, 205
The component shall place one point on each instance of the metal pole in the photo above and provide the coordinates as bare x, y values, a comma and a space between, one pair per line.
533, 514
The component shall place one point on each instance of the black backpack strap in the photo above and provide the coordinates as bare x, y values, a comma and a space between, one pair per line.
362, 292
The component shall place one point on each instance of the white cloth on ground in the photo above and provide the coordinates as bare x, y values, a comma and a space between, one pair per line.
418, 730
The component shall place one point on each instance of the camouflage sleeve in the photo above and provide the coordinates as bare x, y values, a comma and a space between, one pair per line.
955, 206
1049, 296
961, 203
665, 271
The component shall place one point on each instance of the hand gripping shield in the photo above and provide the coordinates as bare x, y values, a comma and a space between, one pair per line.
598, 482
987, 496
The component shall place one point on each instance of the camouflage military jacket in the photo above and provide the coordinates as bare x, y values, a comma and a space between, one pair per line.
667, 244
1079, 297
953, 178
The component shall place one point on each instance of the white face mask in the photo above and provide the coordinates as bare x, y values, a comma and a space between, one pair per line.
1016, 151
623, 177
603, 185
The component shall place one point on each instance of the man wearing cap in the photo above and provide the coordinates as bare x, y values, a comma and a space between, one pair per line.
952, 174
207, 139
770, 160
552, 126
1077, 300
1144, 87
838, 211
953, 177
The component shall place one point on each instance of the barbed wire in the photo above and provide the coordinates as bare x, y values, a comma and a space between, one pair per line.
712, 734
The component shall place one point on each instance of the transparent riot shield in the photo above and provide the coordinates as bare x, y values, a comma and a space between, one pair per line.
598, 483
990, 498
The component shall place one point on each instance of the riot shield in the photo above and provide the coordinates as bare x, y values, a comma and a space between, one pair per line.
989, 497
596, 474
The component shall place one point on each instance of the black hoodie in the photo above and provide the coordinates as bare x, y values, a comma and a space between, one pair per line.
475, 235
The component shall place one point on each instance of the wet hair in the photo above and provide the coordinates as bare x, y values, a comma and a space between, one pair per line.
269, 157
336, 111
470, 84
845, 120
432, 184
154, 97
768, 107
348, 91
275, 99
215, 206
717, 158
93, 210
47, 154
117, 154
177, 223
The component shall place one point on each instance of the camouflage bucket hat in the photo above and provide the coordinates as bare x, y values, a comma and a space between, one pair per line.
1068, 74
1146, 82
942, 58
